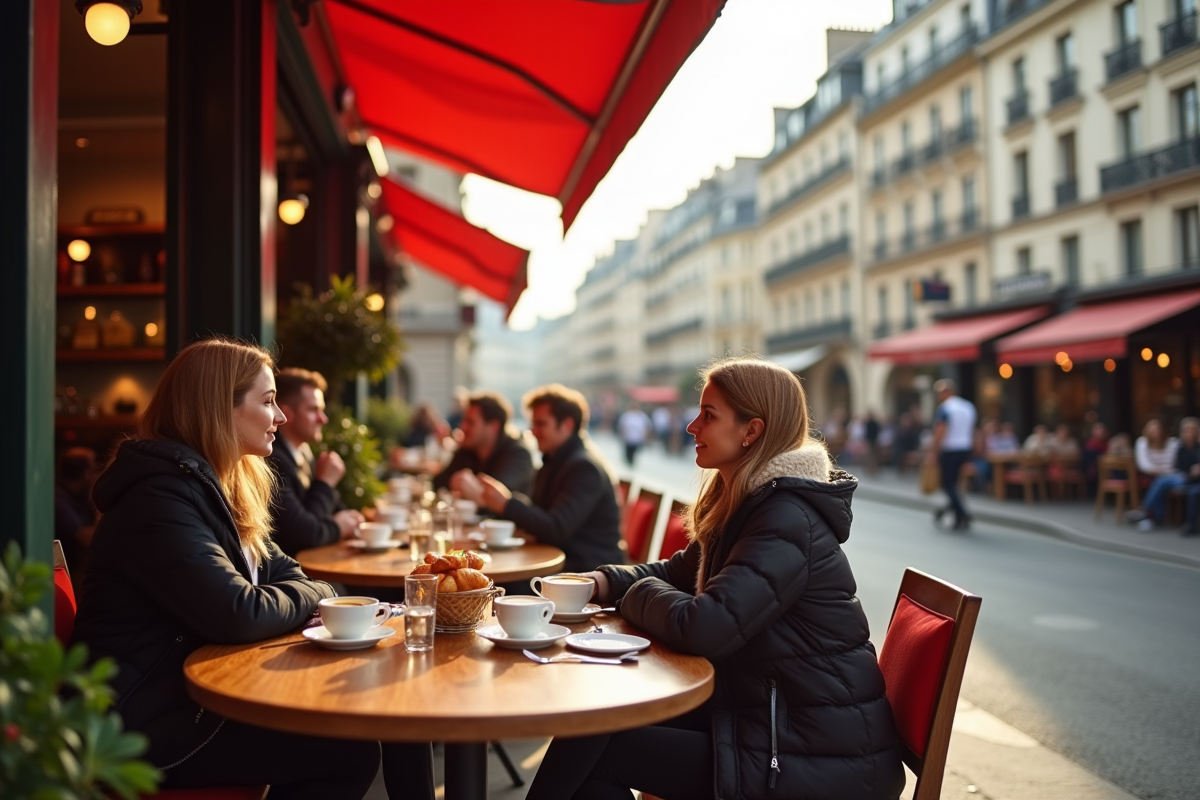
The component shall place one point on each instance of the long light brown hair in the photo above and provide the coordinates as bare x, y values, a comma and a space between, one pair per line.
755, 389
193, 405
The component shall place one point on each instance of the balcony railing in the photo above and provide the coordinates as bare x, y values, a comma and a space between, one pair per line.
933, 150
919, 72
818, 255
881, 330
917, 240
1018, 107
1020, 206
908, 242
962, 135
937, 231
878, 178
811, 334
1125, 59
970, 220
840, 166
664, 334
1066, 192
1178, 33
1012, 10
1150, 166
880, 250
1064, 87
903, 165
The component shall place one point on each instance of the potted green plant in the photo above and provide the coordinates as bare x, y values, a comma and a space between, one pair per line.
59, 738
359, 449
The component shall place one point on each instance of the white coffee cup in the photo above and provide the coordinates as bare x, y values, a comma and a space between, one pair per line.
397, 484
375, 533
395, 516
351, 617
569, 593
497, 530
523, 617
466, 507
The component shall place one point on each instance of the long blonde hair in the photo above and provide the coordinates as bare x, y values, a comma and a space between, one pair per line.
755, 389
193, 405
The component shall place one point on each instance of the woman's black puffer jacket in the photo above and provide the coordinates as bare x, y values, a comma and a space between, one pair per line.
799, 711
167, 575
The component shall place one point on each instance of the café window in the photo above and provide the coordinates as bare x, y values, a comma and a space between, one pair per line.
971, 279
1131, 247
1187, 113
1187, 225
1070, 259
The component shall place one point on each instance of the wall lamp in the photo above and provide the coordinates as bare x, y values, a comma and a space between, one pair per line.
108, 21
292, 204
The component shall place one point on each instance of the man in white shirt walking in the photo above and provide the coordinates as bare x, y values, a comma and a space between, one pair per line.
635, 428
953, 442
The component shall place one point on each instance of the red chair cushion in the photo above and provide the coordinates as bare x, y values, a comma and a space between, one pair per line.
913, 659
638, 529
64, 606
216, 793
674, 537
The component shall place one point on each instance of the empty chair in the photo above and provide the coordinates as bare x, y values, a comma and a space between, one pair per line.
1029, 473
639, 525
1116, 477
922, 659
674, 536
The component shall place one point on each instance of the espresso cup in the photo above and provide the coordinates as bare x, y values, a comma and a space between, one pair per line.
523, 617
375, 533
351, 617
569, 593
467, 508
497, 530
394, 515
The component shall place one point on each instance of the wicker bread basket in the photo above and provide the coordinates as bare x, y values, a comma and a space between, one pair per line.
459, 612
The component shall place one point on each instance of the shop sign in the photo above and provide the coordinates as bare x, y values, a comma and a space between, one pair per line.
1022, 285
929, 291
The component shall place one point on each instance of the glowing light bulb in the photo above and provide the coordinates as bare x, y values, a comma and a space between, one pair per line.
1164, 360
151, 330
1147, 354
291, 210
1006, 371
1061, 357
1110, 365
79, 250
374, 302
89, 312
1067, 365
107, 23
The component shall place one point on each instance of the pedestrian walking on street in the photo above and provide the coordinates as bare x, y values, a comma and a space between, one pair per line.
635, 428
953, 440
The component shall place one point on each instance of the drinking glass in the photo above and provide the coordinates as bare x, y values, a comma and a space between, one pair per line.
420, 526
420, 608
443, 529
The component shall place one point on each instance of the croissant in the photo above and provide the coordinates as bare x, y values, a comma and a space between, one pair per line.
442, 564
469, 579
421, 569
473, 560
447, 583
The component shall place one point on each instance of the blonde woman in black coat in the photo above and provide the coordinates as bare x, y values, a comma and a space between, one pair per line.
765, 592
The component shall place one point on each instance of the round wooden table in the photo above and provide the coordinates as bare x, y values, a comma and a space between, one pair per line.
337, 562
465, 692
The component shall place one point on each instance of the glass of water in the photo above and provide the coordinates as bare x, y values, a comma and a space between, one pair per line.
420, 606
420, 527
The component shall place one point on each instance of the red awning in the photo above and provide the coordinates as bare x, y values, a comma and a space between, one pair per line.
444, 241
1093, 332
654, 394
952, 339
543, 96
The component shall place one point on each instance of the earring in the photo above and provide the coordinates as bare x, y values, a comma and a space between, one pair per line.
745, 444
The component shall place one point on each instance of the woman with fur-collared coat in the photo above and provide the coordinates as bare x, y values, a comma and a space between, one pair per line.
765, 592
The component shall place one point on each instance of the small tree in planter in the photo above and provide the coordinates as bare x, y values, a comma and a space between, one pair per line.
58, 738
337, 334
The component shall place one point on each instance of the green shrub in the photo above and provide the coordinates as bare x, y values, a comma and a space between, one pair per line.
389, 420
359, 448
59, 740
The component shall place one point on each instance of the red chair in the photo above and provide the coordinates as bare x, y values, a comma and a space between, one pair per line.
64, 625
623, 487
922, 659
639, 525
674, 537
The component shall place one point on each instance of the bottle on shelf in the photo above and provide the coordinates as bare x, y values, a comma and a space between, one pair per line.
118, 332
87, 331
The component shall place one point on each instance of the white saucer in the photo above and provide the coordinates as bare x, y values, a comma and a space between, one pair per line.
504, 544
571, 617
606, 644
320, 634
359, 544
549, 635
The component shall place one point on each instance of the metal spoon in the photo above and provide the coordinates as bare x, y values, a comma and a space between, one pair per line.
623, 658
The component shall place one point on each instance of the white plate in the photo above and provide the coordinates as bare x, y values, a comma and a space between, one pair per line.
359, 544
321, 635
549, 635
571, 617
606, 644
504, 544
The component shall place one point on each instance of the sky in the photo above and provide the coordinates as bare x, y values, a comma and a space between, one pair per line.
760, 54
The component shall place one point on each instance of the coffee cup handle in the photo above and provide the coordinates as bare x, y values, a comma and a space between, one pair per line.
383, 612
536, 588
548, 611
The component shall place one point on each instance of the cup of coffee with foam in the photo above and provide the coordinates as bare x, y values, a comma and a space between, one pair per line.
497, 530
570, 593
375, 534
351, 617
523, 617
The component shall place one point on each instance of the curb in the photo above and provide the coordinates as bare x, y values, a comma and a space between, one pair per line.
1054, 530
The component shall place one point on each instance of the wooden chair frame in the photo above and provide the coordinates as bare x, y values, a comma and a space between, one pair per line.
963, 607
1106, 485
647, 544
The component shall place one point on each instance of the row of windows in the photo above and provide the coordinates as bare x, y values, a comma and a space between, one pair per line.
936, 211
908, 295
966, 115
934, 43
786, 309
792, 237
809, 170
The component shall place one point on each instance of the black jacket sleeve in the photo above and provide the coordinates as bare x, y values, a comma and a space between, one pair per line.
767, 570
302, 518
175, 558
513, 467
679, 571
581, 486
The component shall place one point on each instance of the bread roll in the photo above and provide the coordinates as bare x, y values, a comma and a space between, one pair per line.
447, 583
420, 569
473, 560
470, 579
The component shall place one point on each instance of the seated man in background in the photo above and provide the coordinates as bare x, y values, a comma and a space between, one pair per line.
574, 506
74, 513
1185, 470
306, 511
489, 447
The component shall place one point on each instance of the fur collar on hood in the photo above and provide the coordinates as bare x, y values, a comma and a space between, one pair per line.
810, 460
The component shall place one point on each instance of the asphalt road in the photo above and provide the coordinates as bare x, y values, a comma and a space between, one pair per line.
1093, 654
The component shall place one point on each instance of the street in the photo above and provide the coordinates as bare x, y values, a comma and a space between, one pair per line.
1094, 655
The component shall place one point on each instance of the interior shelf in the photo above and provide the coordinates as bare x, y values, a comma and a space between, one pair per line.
113, 290
133, 354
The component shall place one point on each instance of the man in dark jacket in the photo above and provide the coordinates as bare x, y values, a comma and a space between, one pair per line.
488, 447
306, 510
574, 506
